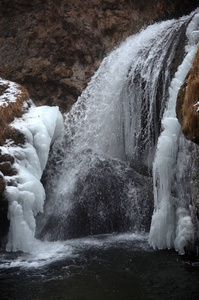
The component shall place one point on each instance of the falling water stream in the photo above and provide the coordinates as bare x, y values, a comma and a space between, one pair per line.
115, 184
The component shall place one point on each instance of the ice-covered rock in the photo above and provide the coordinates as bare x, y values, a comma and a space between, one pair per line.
40, 127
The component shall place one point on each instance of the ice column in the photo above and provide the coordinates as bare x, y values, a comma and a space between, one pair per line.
167, 213
40, 126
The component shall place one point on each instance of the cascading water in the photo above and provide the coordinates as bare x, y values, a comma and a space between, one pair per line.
120, 156
101, 171
98, 179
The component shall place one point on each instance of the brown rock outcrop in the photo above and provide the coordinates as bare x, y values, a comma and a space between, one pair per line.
54, 47
187, 107
9, 111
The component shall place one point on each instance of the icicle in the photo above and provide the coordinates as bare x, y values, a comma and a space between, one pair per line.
168, 211
40, 125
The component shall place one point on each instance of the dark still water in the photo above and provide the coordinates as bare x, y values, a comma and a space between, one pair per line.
105, 267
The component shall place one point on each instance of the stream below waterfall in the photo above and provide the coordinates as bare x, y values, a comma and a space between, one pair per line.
117, 186
121, 267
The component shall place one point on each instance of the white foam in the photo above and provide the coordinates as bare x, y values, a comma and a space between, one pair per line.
45, 253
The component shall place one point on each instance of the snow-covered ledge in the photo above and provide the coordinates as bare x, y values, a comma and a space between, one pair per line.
40, 126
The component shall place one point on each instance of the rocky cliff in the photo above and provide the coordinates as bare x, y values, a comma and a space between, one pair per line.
54, 47
187, 108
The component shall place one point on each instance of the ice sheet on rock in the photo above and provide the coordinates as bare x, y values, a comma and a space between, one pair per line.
40, 126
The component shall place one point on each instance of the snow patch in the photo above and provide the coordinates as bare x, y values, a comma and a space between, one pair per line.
10, 93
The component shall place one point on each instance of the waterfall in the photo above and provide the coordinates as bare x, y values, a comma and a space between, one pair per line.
99, 176
115, 151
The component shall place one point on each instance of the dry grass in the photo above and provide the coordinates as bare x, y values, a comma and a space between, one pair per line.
7, 115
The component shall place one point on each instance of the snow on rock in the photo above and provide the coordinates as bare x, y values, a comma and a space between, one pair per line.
10, 93
40, 126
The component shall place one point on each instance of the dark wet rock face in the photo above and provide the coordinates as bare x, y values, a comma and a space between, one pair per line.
107, 197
